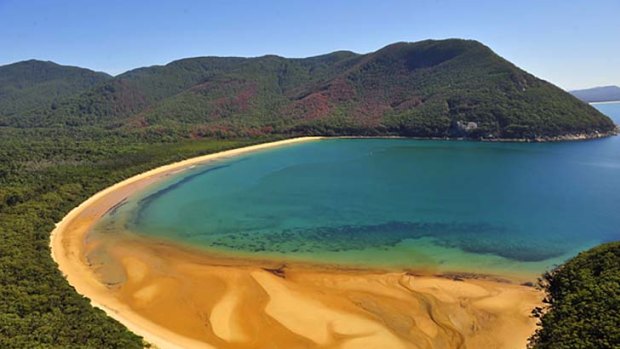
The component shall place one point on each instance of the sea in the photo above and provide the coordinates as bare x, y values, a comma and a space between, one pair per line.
432, 205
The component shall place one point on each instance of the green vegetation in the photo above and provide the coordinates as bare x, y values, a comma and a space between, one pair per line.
27, 86
43, 174
426, 89
583, 298
66, 133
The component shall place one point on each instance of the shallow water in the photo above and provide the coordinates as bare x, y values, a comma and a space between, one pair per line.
448, 206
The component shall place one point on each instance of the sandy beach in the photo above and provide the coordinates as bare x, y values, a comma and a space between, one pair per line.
178, 297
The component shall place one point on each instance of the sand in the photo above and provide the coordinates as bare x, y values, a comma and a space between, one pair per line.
177, 297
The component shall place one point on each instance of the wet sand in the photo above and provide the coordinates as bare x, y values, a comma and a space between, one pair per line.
178, 297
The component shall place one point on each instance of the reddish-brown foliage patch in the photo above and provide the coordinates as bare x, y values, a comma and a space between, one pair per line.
125, 97
340, 90
313, 106
410, 103
318, 104
138, 121
233, 96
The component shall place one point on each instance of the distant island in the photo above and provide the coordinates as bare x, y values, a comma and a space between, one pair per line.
434, 89
598, 94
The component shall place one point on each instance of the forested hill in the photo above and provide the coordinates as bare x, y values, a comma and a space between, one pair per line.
30, 85
447, 88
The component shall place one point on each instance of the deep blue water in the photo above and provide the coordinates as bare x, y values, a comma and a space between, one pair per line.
444, 205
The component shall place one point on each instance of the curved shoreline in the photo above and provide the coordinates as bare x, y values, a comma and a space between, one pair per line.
68, 248
69, 254
569, 137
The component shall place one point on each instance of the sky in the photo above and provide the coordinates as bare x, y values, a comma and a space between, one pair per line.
571, 43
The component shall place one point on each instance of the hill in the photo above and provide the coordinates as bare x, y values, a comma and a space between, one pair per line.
446, 88
28, 85
598, 94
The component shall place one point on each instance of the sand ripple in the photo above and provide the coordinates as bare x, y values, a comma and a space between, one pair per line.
180, 298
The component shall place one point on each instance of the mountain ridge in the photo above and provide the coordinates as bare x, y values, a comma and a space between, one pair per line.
432, 88
609, 93
31, 84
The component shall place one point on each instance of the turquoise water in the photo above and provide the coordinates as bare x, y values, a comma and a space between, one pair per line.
439, 205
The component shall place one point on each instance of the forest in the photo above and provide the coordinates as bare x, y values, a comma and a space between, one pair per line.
583, 302
424, 89
43, 175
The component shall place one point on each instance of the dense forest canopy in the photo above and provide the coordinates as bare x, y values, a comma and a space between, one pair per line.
583, 296
445, 88
43, 174
31, 85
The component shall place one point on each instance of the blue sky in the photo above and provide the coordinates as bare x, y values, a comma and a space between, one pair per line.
572, 43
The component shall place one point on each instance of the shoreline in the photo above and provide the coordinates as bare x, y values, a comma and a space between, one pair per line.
572, 137
70, 259
138, 264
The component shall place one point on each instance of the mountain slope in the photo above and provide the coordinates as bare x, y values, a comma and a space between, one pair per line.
598, 94
32, 84
446, 88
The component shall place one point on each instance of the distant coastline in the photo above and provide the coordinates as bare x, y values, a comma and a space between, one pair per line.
606, 102
543, 139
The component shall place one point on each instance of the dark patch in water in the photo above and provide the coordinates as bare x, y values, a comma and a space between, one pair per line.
112, 210
146, 201
515, 249
475, 238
